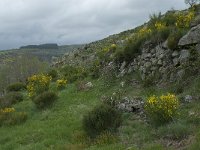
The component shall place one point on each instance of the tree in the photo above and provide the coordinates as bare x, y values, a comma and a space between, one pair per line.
192, 2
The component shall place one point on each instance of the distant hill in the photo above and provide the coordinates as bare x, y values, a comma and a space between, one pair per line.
44, 52
42, 46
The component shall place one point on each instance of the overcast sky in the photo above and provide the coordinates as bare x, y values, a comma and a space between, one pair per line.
24, 22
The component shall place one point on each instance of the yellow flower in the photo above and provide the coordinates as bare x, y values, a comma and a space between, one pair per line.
7, 110
163, 107
38, 84
61, 83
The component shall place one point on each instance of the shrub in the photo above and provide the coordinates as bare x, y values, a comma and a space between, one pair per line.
170, 18
10, 99
72, 73
9, 116
61, 84
162, 109
53, 74
38, 84
45, 99
184, 20
173, 39
16, 87
132, 47
175, 131
160, 34
95, 69
102, 118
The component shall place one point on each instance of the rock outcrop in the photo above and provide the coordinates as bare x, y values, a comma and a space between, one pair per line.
191, 38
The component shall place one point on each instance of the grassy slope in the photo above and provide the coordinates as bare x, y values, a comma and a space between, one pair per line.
55, 128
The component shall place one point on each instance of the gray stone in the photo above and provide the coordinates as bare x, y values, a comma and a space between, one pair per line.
123, 66
149, 55
154, 68
154, 61
153, 51
175, 54
184, 56
89, 85
172, 77
135, 104
180, 73
175, 61
188, 98
164, 45
160, 62
147, 64
198, 48
130, 69
192, 37
161, 56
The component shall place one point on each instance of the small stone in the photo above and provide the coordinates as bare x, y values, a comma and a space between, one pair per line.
160, 62
175, 54
176, 61
161, 56
181, 73
123, 66
89, 85
148, 64
188, 98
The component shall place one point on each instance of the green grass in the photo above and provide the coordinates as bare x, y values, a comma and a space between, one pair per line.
60, 127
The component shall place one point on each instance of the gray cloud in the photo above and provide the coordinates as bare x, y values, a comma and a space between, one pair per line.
26, 22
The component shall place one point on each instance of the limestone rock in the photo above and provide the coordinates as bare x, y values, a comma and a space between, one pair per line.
175, 54
89, 85
160, 62
198, 48
192, 37
176, 61
188, 98
135, 104
184, 56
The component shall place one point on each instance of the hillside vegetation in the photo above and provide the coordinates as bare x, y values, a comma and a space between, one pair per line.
138, 89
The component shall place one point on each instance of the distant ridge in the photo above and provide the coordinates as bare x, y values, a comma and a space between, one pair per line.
41, 46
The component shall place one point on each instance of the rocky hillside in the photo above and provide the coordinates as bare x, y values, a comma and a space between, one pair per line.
162, 49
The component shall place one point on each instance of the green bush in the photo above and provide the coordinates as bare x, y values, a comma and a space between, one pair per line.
170, 18
53, 74
10, 99
16, 87
72, 73
173, 39
8, 116
45, 99
160, 35
132, 48
101, 119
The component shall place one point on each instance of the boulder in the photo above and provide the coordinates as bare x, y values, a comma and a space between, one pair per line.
192, 37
